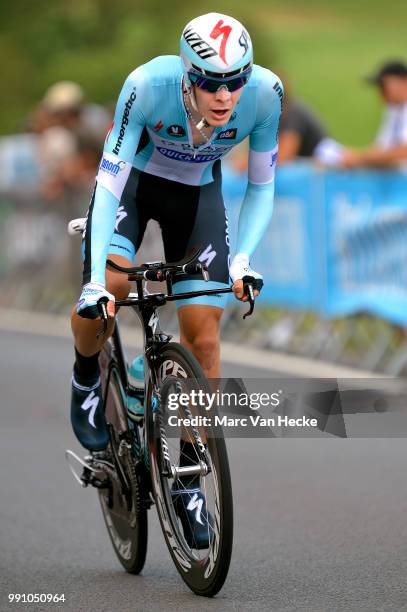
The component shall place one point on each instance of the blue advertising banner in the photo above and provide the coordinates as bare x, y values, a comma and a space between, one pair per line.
366, 237
337, 243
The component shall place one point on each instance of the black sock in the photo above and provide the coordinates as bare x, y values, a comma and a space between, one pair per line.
86, 368
188, 456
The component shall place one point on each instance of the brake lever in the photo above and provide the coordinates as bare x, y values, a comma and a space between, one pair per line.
250, 295
103, 313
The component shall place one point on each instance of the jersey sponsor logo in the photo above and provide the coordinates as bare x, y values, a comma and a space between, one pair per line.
227, 239
125, 120
198, 44
224, 31
274, 156
184, 146
158, 126
244, 41
186, 157
112, 168
277, 88
113, 174
176, 130
227, 134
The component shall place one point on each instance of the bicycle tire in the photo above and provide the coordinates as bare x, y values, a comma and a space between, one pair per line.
127, 528
206, 576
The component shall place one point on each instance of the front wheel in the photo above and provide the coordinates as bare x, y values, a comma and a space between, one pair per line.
204, 569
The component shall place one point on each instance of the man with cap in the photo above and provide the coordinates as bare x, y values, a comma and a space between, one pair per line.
390, 148
66, 106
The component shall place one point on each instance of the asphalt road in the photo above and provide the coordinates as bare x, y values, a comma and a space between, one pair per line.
320, 524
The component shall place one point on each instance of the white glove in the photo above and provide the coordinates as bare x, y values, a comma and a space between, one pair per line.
87, 305
240, 267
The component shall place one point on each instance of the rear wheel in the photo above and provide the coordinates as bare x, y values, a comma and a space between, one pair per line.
203, 569
122, 501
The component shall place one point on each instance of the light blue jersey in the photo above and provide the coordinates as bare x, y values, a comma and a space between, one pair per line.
151, 132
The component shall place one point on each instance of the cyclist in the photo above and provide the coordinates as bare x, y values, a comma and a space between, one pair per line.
175, 118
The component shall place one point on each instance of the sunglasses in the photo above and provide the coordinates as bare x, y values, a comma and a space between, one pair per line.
212, 85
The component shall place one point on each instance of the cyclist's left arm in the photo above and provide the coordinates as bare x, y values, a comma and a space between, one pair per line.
257, 206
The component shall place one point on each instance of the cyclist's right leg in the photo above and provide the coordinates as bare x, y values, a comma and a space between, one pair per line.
87, 415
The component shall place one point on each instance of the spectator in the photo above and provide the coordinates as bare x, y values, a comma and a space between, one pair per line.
303, 135
65, 104
300, 129
390, 148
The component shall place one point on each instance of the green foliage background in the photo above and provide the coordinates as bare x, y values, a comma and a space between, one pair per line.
324, 47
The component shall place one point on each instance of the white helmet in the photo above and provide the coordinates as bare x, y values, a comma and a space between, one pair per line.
215, 46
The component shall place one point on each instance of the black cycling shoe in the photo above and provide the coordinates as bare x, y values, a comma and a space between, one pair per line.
87, 416
196, 521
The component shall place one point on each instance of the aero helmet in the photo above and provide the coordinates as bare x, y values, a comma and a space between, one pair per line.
217, 46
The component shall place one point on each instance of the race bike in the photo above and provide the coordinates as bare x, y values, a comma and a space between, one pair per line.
142, 465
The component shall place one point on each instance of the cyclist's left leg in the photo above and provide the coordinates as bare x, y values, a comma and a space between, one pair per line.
200, 220
194, 216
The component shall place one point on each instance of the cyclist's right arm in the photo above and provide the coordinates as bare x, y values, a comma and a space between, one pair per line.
114, 170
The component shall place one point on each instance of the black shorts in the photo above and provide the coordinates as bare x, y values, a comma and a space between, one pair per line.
189, 216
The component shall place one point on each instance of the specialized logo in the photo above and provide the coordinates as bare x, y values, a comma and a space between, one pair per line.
153, 322
207, 256
227, 134
196, 502
274, 156
120, 215
224, 31
244, 41
172, 541
233, 117
125, 121
186, 157
111, 168
198, 44
158, 126
176, 130
277, 87
91, 403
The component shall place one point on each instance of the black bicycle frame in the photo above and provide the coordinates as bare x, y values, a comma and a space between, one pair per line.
145, 306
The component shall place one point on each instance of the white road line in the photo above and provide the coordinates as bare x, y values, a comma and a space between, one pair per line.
59, 326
